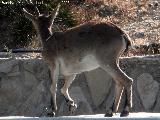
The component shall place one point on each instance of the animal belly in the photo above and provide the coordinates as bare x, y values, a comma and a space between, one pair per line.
88, 63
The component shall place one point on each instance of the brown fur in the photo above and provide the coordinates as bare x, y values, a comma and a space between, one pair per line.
84, 48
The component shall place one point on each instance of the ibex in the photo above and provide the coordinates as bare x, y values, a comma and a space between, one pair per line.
84, 48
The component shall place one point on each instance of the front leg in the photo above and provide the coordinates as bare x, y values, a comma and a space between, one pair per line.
64, 91
54, 76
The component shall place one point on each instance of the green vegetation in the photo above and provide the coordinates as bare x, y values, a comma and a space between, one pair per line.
16, 30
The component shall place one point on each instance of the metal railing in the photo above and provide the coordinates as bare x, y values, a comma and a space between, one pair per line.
22, 50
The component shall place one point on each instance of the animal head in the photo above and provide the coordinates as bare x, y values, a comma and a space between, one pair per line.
42, 21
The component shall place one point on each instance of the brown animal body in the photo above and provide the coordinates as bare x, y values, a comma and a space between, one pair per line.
81, 49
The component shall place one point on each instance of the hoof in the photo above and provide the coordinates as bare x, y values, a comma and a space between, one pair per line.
69, 103
109, 113
124, 114
52, 114
72, 108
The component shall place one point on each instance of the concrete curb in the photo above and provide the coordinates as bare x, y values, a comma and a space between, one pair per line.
132, 116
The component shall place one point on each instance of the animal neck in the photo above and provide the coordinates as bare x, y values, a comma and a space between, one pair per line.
44, 35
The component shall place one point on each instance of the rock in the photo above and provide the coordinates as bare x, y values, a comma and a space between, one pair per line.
21, 93
83, 105
8, 66
148, 89
25, 84
78, 96
37, 102
99, 83
139, 35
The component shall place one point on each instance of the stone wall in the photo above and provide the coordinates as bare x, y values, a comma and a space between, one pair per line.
24, 87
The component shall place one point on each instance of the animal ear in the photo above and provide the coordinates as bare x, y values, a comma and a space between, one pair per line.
29, 15
54, 13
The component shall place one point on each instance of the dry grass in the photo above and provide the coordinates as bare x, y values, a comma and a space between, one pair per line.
122, 11
127, 14
35, 44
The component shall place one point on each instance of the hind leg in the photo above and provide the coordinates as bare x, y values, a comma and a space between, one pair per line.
118, 94
115, 105
64, 91
121, 80
128, 102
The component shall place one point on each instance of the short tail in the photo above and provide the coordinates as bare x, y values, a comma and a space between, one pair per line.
128, 41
